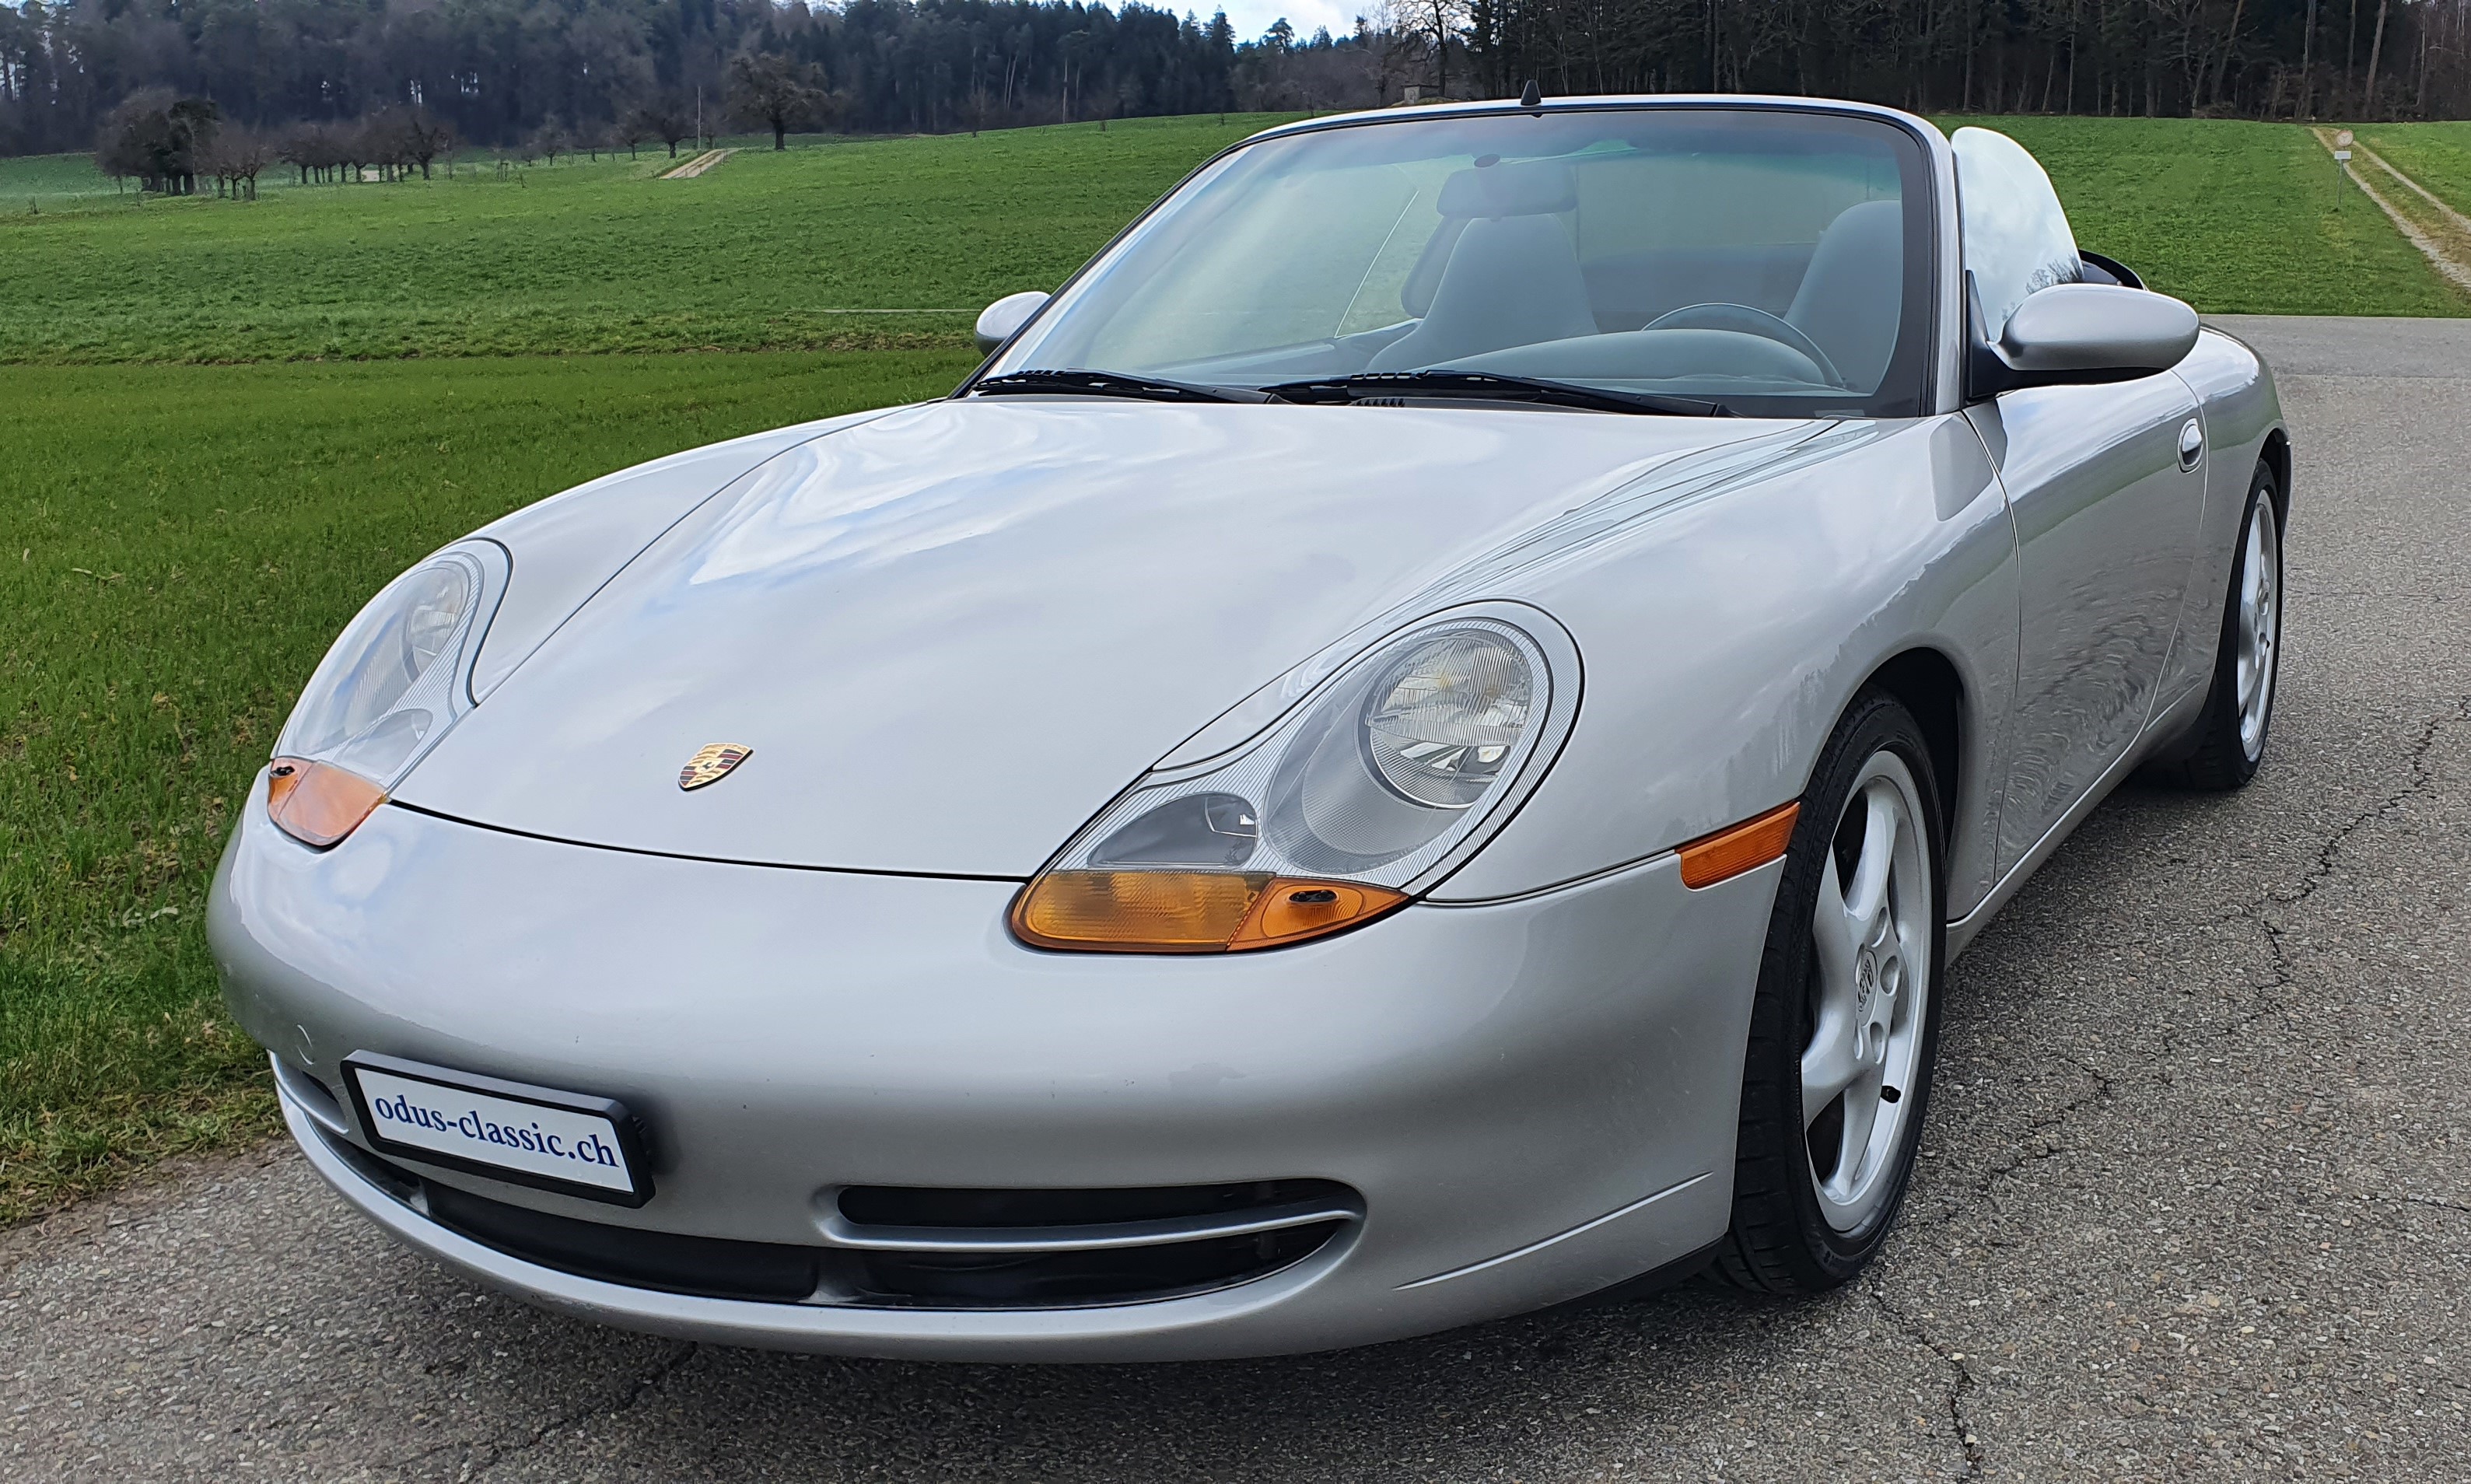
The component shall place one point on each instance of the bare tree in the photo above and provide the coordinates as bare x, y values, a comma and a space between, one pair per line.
771, 90
234, 155
665, 119
420, 136
312, 148
2376, 50
1445, 22
549, 141
1397, 45
379, 141
2307, 62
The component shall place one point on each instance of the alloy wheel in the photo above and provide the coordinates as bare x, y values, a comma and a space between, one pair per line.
2259, 630
1872, 935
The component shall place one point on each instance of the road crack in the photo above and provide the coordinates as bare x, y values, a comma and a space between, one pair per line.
2042, 1138
2033, 1146
2422, 776
2457, 1207
1960, 1384
614, 1404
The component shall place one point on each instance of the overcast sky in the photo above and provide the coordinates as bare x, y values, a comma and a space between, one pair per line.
1252, 18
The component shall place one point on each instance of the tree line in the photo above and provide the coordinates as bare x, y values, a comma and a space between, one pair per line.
2252, 58
525, 73
175, 145
2242, 58
500, 71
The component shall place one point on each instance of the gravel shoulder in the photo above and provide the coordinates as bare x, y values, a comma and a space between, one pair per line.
2194, 1205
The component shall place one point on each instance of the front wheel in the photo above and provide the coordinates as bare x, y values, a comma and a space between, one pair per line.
1845, 1023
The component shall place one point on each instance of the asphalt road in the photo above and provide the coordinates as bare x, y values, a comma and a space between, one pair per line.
2196, 1200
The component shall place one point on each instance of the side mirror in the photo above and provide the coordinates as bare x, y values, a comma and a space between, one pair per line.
998, 321
2086, 333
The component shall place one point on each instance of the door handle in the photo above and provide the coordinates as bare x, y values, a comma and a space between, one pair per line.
2192, 444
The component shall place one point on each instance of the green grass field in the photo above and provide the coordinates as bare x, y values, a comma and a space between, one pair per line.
766, 252
52, 181
183, 542
2236, 217
802, 250
178, 541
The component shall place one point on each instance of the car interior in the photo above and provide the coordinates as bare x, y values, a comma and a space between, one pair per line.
1506, 283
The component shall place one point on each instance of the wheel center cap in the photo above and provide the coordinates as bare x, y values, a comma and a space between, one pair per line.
1865, 979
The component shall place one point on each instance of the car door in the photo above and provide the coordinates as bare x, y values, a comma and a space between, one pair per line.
2106, 487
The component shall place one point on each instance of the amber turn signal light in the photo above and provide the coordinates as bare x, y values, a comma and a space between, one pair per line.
315, 803
1187, 911
1743, 847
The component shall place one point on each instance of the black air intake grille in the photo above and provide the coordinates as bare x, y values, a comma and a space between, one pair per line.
930, 1206
928, 1248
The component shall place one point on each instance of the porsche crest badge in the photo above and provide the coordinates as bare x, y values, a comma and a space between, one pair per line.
712, 765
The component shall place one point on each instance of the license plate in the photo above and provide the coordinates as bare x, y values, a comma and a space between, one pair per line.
535, 1136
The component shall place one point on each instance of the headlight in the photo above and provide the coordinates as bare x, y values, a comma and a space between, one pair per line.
390, 687
1447, 716
1374, 786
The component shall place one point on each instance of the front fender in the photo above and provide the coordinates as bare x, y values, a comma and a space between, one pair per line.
1726, 633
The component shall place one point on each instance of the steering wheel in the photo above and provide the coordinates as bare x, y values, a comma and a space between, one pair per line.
1748, 319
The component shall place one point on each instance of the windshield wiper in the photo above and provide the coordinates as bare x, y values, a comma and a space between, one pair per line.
1110, 383
1494, 386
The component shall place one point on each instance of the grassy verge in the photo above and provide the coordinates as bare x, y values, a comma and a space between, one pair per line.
182, 544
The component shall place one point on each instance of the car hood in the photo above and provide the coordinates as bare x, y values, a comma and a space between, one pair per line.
949, 635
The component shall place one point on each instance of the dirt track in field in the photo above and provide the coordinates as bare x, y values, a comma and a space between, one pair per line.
2429, 223
698, 165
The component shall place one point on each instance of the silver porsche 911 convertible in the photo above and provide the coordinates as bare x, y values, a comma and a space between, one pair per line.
1414, 745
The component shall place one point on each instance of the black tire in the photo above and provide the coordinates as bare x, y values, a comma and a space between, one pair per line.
2215, 754
1779, 1241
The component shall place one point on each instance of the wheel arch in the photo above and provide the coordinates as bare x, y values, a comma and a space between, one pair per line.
1930, 685
2276, 455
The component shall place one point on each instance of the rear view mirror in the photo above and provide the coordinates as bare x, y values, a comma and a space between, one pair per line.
2087, 332
998, 321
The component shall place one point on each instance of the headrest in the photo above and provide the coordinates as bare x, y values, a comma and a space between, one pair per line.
1524, 188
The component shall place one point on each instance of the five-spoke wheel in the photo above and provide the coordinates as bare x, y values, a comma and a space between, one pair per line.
1845, 1018
1871, 933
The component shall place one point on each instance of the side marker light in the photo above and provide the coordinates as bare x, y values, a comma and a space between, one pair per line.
1737, 848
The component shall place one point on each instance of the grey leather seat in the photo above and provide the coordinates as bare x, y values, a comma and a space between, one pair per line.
1851, 298
1512, 276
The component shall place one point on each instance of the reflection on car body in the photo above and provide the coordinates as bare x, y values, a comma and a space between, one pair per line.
1415, 745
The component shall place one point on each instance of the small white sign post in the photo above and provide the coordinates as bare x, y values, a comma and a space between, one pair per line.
2341, 162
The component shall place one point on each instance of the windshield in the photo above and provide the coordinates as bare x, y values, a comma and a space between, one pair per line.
1774, 262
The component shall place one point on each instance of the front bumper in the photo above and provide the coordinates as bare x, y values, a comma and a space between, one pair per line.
1531, 1099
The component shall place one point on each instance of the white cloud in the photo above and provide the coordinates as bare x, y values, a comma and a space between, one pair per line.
1252, 18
